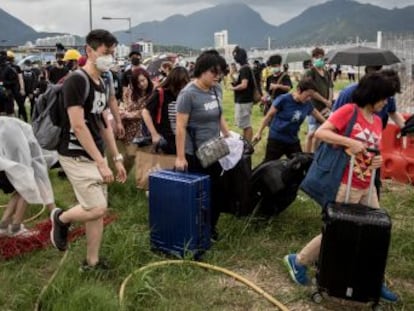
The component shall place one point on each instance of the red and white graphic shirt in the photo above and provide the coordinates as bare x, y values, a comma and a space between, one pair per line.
367, 132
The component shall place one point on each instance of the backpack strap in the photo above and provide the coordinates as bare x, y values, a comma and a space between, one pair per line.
160, 104
83, 73
279, 80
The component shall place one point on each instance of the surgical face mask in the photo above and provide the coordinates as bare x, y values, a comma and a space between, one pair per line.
104, 63
319, 62
275, 70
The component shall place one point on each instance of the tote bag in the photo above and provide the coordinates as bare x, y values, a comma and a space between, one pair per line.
322, 181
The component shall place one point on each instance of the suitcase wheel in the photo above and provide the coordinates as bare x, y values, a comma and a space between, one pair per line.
317, 297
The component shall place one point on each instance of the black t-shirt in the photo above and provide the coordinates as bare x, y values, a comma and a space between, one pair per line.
8, 83
8, 76
246, 95
74, 88
126, 78
30, 78
166, 127
274, 79
55, 74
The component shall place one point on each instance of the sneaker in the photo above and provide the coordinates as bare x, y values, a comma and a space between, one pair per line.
59, 232
296, 271
23, 232
387, 295
101, 265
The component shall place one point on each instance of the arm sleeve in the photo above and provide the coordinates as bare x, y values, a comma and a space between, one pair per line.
74, 89
392, 106
184, 102
278, 103
341, 117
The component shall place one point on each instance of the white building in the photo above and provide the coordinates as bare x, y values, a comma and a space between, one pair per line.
144, 46
65, 40
122, 51
221, 39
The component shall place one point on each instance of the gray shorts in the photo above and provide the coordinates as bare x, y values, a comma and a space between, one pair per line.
243, 115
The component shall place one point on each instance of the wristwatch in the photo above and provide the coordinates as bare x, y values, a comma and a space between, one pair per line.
118, 158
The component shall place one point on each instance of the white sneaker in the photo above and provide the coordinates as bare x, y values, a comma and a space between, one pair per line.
23, 232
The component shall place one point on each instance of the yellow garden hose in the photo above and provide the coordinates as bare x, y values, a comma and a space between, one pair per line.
203, 265
35, 216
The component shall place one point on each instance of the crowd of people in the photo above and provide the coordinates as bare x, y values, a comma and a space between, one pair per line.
179, 112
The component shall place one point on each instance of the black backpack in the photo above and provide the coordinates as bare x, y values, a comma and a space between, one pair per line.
49, 114
274, 184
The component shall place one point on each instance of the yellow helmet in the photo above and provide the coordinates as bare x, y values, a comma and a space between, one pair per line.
71, 54
10, 54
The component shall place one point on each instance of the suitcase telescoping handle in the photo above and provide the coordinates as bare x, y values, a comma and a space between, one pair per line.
371, 183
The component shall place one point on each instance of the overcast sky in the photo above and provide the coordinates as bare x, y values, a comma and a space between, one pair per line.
72, 16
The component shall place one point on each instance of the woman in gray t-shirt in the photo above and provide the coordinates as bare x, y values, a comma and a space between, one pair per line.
199, 118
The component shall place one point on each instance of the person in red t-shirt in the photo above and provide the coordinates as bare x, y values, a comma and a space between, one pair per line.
370, 97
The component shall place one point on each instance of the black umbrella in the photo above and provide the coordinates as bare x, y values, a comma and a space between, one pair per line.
363, 56
295, 56
155, 64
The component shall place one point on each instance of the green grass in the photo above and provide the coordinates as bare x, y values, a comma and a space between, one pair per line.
249, 247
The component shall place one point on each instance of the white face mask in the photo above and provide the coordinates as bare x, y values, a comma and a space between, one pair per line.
104, 63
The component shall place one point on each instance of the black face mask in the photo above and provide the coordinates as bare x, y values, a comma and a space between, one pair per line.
60, 62
70, 65
135, 61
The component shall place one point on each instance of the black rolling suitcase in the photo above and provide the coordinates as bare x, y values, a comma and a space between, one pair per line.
354, 249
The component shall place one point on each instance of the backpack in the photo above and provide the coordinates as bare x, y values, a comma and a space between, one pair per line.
274, 184
49, 114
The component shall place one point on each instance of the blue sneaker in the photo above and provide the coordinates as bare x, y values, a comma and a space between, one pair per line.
387, 295
297, 272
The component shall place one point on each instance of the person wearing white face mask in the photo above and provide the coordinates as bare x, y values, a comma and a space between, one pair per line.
85, 133
277, 83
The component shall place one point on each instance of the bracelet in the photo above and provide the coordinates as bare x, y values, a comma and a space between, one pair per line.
118, 158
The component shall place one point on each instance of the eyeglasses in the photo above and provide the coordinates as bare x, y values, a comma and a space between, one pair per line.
215, 71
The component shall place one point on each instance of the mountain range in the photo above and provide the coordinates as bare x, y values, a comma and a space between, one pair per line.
332, 21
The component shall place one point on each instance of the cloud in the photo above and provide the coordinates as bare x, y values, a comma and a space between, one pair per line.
73, 16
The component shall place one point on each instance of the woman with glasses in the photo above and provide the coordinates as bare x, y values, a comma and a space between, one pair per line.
199, 119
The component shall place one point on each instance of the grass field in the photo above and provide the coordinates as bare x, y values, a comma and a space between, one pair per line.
248, 246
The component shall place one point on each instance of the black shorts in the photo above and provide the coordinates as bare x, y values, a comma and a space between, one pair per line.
5, 183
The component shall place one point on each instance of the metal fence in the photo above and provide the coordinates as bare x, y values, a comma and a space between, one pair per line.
403, 46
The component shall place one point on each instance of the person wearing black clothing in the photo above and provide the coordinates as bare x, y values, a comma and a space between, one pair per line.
58, 71
277, 83
31, 81
243, 94
8, 82
81, 151
18, 90
135, 58
160, 117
